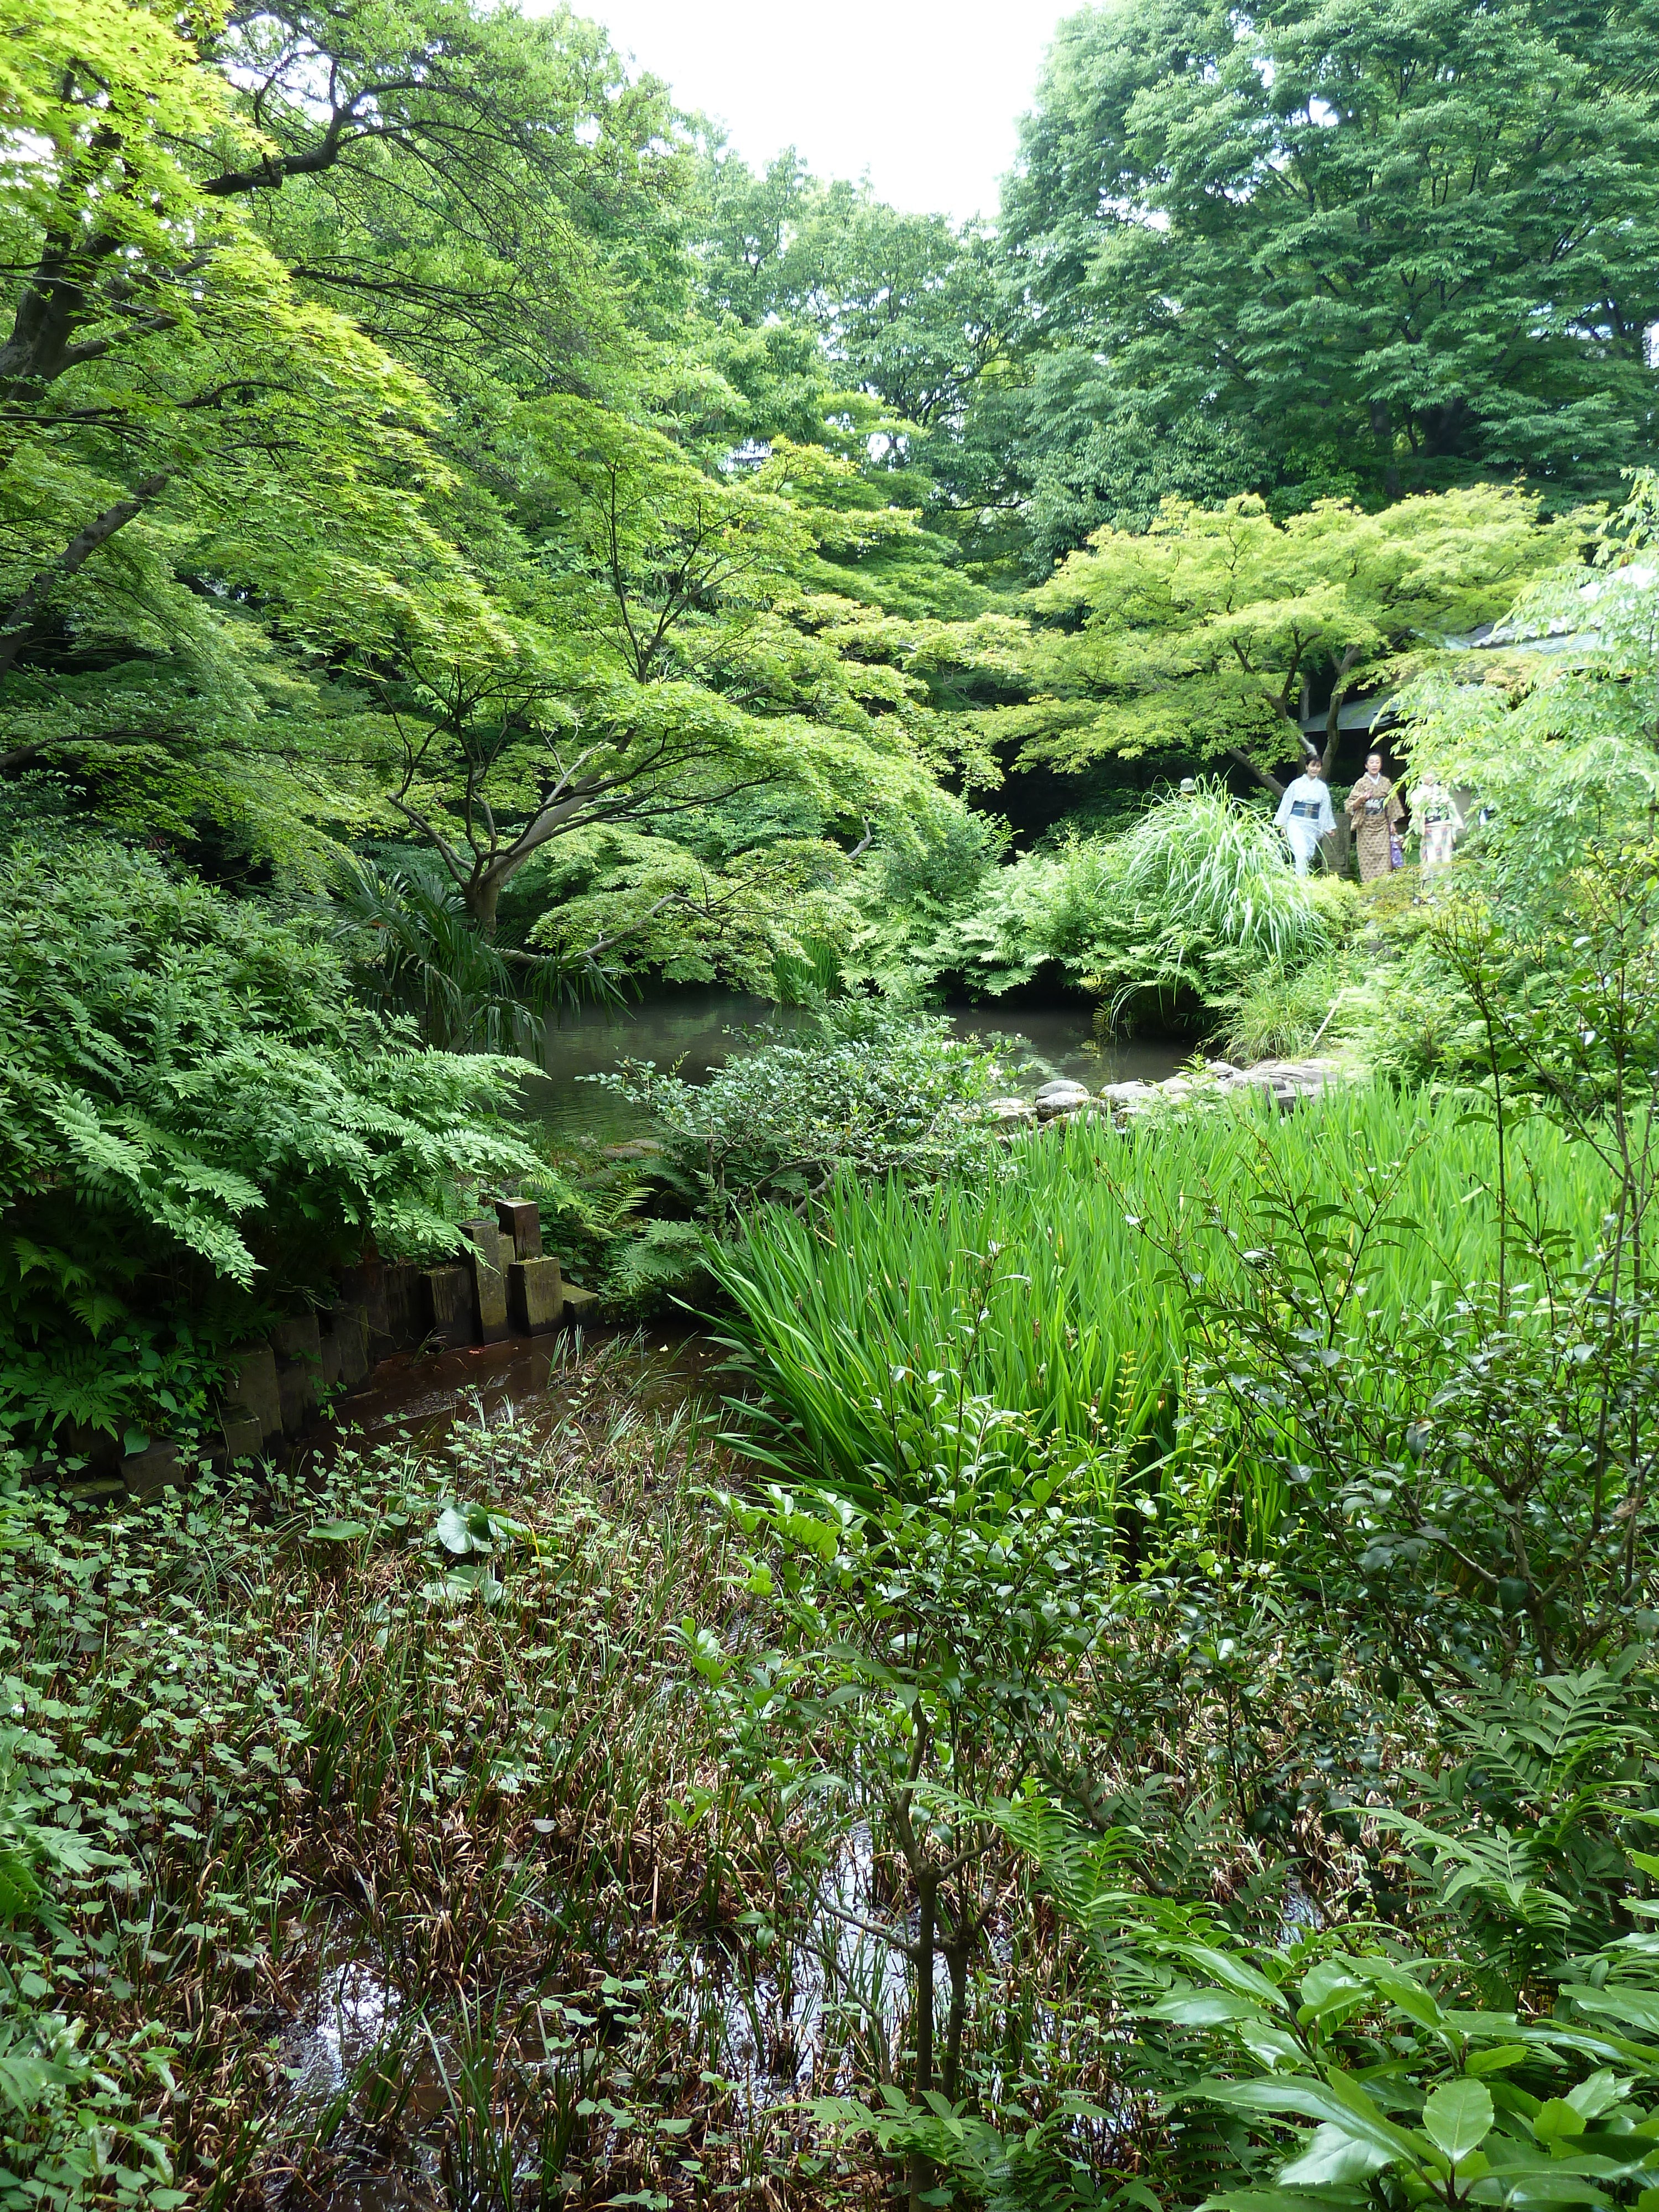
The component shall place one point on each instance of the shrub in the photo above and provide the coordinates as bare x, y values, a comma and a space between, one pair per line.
1278, 1012
195, 1120
1163, 921
872, 1088
1201, 894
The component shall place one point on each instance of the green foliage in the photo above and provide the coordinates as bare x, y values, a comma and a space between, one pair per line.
1280, 1013
1060, 1313
925, 1647
859, 1088
1552, 725
1202, 637
1161, 922
1316, 253
197, 1120
413, 950
1409, 2084
1477, 1484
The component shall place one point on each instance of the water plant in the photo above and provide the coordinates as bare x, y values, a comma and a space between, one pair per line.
1042, 1294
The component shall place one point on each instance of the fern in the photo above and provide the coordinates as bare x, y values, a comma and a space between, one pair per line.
196, 1118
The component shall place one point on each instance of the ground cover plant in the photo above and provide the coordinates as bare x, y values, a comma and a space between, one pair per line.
649, 1824
851, 1085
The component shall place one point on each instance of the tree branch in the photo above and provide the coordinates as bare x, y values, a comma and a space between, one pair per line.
22, 618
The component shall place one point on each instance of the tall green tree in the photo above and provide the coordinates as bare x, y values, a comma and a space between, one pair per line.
277, 287
1223, 635
1331, 248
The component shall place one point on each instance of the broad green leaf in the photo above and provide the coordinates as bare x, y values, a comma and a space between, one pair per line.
1233, 1974
1599, 2093
1406, 1996
1336, 2153
1635, 2008
1348, 2108
1457, 2117
1330, 1994
455, 1532
1202, 2008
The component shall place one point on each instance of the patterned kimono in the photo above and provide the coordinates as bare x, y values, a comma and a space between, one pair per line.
1436, 814
1374, 809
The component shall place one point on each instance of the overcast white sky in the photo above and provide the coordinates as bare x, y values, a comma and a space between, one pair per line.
924, 94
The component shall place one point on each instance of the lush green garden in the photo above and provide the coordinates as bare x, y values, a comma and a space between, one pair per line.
1134, 1683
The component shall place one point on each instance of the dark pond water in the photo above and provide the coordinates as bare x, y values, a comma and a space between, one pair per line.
693, 1030
544, 1380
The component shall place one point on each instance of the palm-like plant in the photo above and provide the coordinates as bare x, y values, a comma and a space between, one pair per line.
417, 952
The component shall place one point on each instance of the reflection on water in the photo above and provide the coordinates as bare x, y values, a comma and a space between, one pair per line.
692, 1029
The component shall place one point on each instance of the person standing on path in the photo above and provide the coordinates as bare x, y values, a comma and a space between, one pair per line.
1374, 808
1436, 814
1304, 814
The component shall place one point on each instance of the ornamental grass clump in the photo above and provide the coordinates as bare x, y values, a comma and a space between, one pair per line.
1199, 894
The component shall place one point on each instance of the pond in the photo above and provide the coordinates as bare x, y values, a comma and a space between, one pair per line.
693, 1029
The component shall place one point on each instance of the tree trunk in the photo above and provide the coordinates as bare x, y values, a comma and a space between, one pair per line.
922, 2173
955, 1961
481, 896
1269, 783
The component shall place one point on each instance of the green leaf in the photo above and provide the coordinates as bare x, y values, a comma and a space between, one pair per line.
455, 1532
1406, 1996
1233, 1974
1202, 2008
1556, 2119
336, 1532
1333, 2154
1633, 2008
1343, 2103
1495, 2060
1458, 2116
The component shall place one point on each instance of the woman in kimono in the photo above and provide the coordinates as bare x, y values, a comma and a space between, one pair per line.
1373, 808
1435, 813
1304, 814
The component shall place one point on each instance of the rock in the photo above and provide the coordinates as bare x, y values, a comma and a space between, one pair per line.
1009, 1112
299, 1348
637, 1148
487, 1261
1061, 1098
1290, 1080
345, 1347
252, 1400
1121, 1094
242, 1438
1218, 1071
577, 1301
147, 1473
449, 1306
